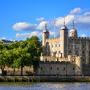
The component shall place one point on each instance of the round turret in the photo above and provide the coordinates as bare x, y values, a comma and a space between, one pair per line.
64, 27
73, 32
45, 35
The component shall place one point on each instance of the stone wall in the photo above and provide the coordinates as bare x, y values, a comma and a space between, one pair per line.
86, 70
9, 71
57, 68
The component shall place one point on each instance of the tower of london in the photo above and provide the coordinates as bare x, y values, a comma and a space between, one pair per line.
64, 55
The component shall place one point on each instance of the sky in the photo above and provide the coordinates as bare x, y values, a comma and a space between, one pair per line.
21, 19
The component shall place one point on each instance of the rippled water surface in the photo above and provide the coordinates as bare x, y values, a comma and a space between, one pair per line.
44, 86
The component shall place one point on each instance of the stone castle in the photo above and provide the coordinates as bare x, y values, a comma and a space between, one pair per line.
64, 55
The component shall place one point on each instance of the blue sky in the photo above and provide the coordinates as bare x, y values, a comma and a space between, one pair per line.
21, 19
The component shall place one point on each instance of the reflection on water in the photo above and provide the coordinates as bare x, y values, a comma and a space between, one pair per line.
44, 86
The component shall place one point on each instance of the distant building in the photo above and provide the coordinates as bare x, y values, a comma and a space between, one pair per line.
7, 41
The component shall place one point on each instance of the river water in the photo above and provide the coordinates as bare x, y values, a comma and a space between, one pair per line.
44, 86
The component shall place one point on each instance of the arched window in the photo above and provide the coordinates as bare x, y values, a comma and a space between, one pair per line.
59, 52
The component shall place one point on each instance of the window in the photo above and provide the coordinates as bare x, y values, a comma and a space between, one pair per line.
83, 46
59, 52
50, 68
69, 51
59, 45
41, 68
57, 68
75, 45
83, 59
71, 45
64, 68
56, 51
83, 52
56, 45
76, 51
68, 45
73, 68
52, 45
45, 59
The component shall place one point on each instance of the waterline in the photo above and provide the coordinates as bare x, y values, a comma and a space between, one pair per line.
44, 86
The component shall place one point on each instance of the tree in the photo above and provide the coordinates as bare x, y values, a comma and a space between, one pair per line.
35, 49
20, 54
22, 58
3, 59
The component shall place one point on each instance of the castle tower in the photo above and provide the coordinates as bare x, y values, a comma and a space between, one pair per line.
78, 69
64, 40
73, 32
45, 35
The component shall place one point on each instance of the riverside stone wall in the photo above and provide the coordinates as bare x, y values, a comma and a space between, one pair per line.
57, 68
10, 71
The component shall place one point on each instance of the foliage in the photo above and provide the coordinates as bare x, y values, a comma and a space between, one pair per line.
20, 54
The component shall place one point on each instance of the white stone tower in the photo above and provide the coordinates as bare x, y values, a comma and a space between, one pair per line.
64, 40
73, 32
78, 69
45, 35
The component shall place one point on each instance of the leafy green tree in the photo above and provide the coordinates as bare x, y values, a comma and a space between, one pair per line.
20, 54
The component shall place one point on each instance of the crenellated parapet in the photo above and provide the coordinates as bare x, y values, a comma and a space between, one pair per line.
54, 62
79, 38
53, 39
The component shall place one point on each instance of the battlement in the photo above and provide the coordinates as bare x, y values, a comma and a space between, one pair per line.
54, 62
52, 38
79, 38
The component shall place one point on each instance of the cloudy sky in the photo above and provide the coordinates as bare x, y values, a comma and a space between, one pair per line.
21, 19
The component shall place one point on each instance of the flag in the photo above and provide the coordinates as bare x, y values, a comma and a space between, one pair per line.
54, 20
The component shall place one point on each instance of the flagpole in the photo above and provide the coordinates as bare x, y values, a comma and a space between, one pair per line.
54, 26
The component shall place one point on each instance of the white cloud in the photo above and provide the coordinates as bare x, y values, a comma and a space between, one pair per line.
83, 35
28, 35
23, 35
40, 19
82, 22
3, 38
76, 11
41, 26
24, 26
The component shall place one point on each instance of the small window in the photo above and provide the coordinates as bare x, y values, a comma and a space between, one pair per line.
45, 59
76, 51
73, 68
89, 52
83, 52
59, 45
69, 51
59, 52
68, 45
57, 68
64, 68
56, 45
71, 45
83, 46
50, 68
75, 45
83, 59
52, 45
41, 68
56, 51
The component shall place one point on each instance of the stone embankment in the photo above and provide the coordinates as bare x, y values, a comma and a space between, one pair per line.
44, 78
